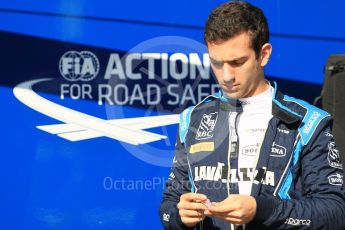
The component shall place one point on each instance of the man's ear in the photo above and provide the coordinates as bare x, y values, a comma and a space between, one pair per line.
265, 54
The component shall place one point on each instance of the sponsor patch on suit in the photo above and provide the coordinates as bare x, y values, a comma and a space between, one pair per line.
334, 156
206, 127
202, 147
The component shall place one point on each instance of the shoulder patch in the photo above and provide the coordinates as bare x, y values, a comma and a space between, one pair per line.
184, 123
185, 118
311, 119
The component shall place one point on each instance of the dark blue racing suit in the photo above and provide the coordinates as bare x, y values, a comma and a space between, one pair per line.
297, 181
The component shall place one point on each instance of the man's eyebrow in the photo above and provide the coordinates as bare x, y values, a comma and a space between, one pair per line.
214, 60
228, 61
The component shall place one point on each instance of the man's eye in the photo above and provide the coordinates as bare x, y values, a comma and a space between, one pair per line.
217, 64
239, 63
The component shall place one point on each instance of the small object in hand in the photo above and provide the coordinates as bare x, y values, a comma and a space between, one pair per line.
207, 203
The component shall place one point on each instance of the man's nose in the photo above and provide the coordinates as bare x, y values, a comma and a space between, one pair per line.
228, 73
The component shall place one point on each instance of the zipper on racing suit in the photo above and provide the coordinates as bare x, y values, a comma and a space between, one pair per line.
233, 147
232, 151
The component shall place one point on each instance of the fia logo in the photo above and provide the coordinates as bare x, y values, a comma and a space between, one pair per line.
206, 126
277, 150
333, 156
79, 66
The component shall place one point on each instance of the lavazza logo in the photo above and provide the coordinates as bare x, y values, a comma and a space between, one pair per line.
176, 77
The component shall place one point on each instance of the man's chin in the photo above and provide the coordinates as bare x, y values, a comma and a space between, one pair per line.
233, 95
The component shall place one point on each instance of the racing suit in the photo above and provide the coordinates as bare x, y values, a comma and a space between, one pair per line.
297, 180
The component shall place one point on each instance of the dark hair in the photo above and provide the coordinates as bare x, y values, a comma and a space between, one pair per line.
232, 18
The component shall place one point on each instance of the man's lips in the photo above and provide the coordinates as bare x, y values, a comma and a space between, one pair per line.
230, 87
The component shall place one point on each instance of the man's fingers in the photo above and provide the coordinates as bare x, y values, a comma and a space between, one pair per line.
191, 213
233, 220
219, 209
191, 205
193, 197
227, 217
191, 221
222, 207
192, 201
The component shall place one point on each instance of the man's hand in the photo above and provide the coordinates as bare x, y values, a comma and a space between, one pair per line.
236, 209
191, 209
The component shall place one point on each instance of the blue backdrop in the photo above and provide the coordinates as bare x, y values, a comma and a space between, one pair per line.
49, 182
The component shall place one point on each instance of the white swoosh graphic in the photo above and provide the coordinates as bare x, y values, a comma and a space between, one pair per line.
81, 121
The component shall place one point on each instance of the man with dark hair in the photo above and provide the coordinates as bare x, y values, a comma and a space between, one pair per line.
250, 157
